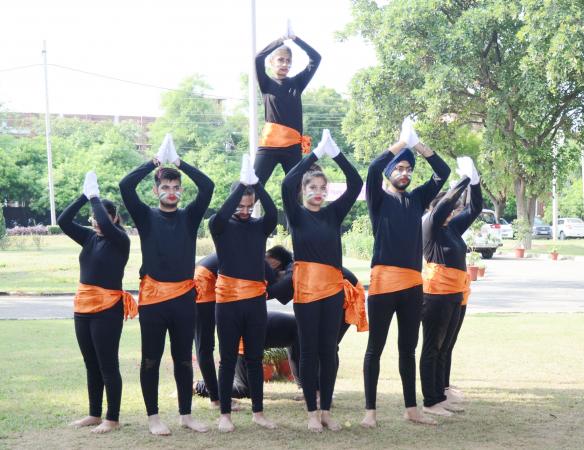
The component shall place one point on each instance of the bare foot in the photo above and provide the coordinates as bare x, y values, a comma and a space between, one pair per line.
225, 424
314, 423
370, 419
436, 410
453, 396
86, 422
328, 422
261, 420
451, 406
187, 421
156, 426
106, 426
413, 414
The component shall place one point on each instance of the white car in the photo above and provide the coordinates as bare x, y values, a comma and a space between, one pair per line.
570, 227
506, 229
488, 238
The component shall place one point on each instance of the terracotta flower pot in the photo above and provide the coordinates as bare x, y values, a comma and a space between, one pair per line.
554, 256
519, 252
473, 271
284, 368
482, 271
268, 372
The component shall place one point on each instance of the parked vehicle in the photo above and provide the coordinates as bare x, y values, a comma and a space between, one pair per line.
506, 229
570, 227
541, 229
487, 239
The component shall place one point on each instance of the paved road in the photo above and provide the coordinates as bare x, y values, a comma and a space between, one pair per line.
510, 285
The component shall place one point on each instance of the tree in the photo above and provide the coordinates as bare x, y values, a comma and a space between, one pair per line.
512, 70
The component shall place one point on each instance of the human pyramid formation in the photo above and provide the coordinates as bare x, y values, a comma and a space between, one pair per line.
228, 290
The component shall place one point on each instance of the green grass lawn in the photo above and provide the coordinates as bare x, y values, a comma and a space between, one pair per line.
50, 264
569, 247
523, 376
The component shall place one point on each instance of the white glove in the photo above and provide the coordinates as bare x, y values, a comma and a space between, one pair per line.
90, 186
251, 175
408, 134
289, 32
243, 174
332, 149
467, 168
171, 154
320, 149
162, 155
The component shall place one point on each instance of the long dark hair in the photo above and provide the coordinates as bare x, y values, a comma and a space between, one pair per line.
112, 210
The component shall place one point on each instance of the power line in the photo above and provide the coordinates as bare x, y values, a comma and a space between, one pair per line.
9, 69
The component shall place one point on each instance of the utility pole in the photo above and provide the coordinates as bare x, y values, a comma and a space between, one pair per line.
48, 139
252, 89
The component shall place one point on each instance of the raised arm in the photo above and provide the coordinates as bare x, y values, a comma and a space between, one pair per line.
270, 218
471, 211
430, 188
345, 202
260, 63
290, 186
109, 230
65, 221
137, 209
196, 209
445, 206
218, 222
303, 78
374, 183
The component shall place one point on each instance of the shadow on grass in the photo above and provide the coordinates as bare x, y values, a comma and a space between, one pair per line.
494, 418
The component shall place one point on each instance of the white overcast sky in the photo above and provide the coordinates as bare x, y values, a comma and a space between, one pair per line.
159, 43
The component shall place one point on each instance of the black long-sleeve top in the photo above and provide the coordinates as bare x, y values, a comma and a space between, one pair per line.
316, 236
241, 245
444, 244
167, 239
103, 258
282, 98
211, 263
397, 216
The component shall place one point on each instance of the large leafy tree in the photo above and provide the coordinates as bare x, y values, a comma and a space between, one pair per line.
512, 70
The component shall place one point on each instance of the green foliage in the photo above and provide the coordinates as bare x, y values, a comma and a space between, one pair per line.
358, 241
54, 229
274, 355
472, 259
2, 224
521, 231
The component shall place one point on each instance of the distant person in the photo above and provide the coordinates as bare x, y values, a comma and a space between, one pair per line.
101, 304
167, 294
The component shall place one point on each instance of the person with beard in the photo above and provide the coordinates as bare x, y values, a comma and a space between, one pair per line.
446, 284
281, 140
167, 295
317, 277
240, 290
396, 280
100, 303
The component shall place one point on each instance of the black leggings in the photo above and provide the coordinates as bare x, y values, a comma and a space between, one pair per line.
177, 316
266, 162
247, 319
98, 335
440, 317
318, 330
205, 345
407, 304
452, 340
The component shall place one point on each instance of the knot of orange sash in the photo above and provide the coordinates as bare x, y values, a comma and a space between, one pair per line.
386, 279
314, 281
153, 291
205, 281
229, 289
91, 299
279, 136
355, 305
439, 279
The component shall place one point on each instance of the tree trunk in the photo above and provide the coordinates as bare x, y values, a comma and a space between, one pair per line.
525, 207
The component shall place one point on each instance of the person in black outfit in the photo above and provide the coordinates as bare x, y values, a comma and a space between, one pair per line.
445, 250
104, 254
240, 309
282, 103
396, 216
316, 239
167, 237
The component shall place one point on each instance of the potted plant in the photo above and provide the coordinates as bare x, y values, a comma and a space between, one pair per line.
554, 254
482, 267
472, 260
268, 364
522, 231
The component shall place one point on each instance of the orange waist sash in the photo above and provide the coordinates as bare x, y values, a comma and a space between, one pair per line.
205, 281
229, 289
355, 305
276, 135
92, 299
314, 281
152, 291
386, 279
439, 279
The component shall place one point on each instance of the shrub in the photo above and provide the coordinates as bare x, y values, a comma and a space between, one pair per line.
205, 246
2, 225
358, 241
54, 229
40, 230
